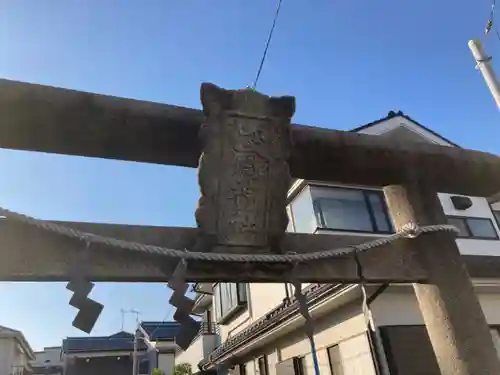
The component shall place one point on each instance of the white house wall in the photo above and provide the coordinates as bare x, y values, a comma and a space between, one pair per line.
401, 308
344, 327
6, 356
200, 348
52, 355
389, 309
236, 324
480, 208
263, 297
166, 362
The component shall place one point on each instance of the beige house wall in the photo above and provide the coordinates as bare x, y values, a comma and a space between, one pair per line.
345, 327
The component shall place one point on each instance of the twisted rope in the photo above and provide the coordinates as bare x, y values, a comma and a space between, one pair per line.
410, 230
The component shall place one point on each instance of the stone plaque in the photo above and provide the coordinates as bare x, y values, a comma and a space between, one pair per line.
243, 170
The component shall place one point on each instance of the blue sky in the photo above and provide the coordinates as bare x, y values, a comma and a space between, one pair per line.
347, 63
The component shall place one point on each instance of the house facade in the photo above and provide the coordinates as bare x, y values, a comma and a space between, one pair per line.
15, 353
48, 361
257, 327
115, 354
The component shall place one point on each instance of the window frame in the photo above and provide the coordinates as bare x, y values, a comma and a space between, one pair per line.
470, 235
240, 306
496, 215
298, 366
291, 219
319, 216
330, 362
265, 364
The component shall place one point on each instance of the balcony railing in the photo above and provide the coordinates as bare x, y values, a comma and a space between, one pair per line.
207, 328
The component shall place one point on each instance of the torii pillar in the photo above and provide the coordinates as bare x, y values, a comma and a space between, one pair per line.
455, 322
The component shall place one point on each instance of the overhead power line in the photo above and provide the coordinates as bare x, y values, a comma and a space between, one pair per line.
270, 36
491, 21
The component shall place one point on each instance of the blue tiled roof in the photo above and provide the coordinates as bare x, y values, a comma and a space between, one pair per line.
158, 331
118, 341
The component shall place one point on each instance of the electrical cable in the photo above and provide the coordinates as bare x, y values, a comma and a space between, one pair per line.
491, 22
264, 55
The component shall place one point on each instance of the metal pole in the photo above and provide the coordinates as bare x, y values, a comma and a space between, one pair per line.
483, 63
134, 357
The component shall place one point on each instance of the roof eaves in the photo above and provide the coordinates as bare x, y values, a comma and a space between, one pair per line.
284, 311
430, 131
25, 344
393, 114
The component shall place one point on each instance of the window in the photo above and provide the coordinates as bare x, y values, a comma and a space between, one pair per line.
289, 227
335, 360
240, 369
230, 298
298, 366
496, 339
263, 367
497, 216
350, 210
302, 212
474, 227
292, 366
207, 321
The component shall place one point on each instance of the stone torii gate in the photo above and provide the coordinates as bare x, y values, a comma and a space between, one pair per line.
249, 152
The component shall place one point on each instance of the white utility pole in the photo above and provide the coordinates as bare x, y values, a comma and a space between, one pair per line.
135, 366
134, 358
483, 63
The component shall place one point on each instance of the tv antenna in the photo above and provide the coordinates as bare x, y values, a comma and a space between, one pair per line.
131, 311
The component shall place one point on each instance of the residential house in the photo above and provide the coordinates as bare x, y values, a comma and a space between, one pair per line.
15, 352
261, 330
208, 337
159, 338
114, 354
48, 361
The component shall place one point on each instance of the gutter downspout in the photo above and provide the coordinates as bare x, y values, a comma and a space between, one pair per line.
374, 339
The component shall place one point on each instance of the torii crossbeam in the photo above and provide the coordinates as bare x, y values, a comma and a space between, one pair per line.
78, 123
249, 151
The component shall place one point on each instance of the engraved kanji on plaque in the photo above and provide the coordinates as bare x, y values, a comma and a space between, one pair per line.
243, 170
